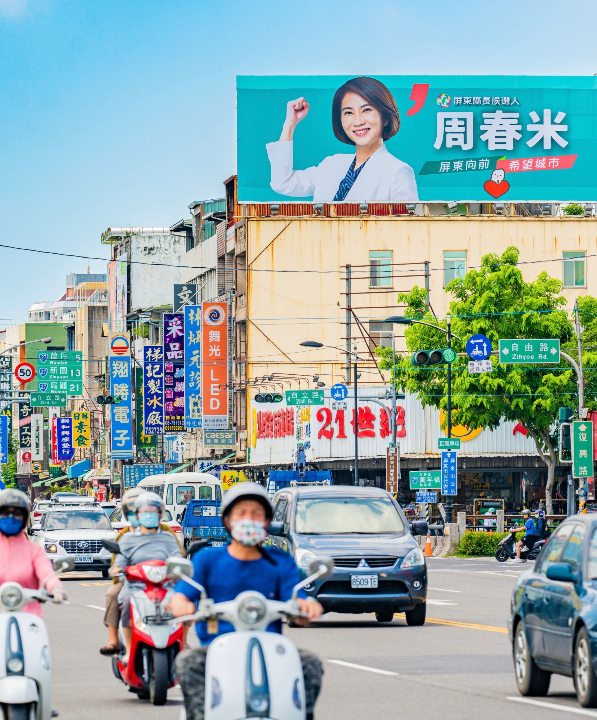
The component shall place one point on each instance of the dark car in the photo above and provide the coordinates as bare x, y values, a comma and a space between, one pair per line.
553, 623
378, 565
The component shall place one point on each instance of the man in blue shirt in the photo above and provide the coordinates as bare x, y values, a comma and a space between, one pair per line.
530, 537
224, 573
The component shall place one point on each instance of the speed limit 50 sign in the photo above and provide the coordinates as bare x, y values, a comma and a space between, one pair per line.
24, 372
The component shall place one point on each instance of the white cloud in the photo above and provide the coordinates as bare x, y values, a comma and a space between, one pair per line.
13, 8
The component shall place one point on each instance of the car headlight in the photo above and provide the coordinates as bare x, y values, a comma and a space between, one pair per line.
155, 574
11, 596
414, 558
51, 548
304, 558
252, 610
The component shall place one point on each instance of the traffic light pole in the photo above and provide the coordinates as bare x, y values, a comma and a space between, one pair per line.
449, 334
356, 418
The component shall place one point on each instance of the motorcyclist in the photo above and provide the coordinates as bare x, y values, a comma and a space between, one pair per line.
23, 561
146, 542
530, 537
224, 573
541, 524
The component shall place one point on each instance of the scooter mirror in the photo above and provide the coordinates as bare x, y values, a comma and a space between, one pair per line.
63, 564
111, 546
323, 568
177, 567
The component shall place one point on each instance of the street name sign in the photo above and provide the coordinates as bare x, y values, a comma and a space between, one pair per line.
392, 474
582, 449
480, 366
449, 472
521, 352
48, 399
60, 371
426, 497
448, 443
304, 397
426, 480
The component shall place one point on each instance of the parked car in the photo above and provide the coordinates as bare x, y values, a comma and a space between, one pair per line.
108, 507
554, 613
118, 523
37, 511
77, 532
378, 565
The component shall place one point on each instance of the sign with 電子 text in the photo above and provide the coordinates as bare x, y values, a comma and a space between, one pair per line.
121, 414
153, 390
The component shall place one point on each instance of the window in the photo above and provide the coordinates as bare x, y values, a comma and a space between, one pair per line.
184, 494
573, 550
218, 492
347, 515
280, 511
169, 494
592, 559
205, 492
77, 520
380, 268
574, 269
454, 265
553, 549
381, 334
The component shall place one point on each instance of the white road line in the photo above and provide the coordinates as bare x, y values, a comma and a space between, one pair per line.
97, 607
443, 590
555, 706
439, 602
362, 667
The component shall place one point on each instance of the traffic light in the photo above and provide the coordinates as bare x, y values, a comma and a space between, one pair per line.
565, 415
422, 358
108, 400
268, 398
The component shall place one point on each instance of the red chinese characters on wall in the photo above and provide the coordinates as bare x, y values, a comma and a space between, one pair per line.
275, 423
366, 421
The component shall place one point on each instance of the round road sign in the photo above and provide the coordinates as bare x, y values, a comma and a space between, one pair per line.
478, 347
339, 391
26, 456
179, 446
24, 372
36, 467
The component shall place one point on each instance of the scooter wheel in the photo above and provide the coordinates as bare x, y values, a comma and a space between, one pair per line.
159, 675
26, 711
501, 554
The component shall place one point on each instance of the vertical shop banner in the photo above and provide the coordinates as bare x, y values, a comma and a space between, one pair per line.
54, 430
192, 369
146, 444
174, 372
214, 366
25, 413
37, 437
153, 390
4, 439
121, 309
122, 414
64, 439
81, 429
184, 295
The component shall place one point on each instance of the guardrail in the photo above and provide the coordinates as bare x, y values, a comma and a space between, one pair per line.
502, 521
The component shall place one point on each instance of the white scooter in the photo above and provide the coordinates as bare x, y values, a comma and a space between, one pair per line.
25, 666
251, 673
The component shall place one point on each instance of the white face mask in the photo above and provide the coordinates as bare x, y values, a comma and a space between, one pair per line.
249, 533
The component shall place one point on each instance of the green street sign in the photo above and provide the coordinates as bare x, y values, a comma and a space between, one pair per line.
521, 352
304, 397
60, 371
48, 399
50, 358
582, 449
426, 480
448, 443
70, 387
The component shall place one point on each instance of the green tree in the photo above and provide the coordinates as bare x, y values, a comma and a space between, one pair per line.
9, 471
573, 209
496, 301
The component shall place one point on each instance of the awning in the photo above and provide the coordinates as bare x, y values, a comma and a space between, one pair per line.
178, 469
78, 469
42, 482
217, 462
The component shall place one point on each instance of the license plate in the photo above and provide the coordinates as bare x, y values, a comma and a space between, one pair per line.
364, 581
83, 558
217, 543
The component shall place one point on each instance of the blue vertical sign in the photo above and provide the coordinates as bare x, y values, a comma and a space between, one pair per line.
192, 356
64, 438
3, 439
153, 390
122, 414
449, 472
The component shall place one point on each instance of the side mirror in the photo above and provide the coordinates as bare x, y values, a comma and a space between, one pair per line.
178, 517
111, 546
63, 564
276, 528
419, 527
322, 568
195, 547
561, 572
178, 567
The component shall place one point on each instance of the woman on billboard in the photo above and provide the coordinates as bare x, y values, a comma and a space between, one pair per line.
364, 114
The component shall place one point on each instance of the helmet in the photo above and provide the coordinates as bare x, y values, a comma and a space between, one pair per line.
491, 511
16, 499
149, 498
247, 491
128, 501
540, 513
526, 511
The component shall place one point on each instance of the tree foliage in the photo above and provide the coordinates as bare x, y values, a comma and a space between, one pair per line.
573, 209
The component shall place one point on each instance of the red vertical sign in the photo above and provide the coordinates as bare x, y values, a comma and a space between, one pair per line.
214, 360
55, 460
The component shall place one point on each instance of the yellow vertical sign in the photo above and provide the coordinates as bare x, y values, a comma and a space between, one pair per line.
81, 430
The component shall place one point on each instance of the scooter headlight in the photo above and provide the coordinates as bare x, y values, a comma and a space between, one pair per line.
15, 665
252, 611
11, 596
155, 574
258, 703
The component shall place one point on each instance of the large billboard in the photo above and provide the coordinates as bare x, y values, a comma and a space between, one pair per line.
428, 138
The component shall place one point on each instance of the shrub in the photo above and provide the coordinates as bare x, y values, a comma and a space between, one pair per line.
573, 209
481, 544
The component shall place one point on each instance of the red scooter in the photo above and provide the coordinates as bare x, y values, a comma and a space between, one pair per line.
157, 636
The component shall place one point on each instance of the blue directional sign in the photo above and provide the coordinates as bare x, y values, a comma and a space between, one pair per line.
449, 472
339, 392
478, 347
426, 497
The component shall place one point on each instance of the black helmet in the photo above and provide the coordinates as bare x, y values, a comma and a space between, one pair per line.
247, 491
16, 499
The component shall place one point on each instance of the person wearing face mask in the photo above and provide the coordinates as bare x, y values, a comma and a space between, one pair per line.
146, 542
21, 560
224, 573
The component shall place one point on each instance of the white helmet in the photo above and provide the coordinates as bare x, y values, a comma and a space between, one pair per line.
149, 498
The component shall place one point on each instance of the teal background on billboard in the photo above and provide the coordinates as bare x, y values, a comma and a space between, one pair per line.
261, 110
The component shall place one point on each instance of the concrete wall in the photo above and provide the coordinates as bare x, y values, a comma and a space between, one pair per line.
153, 285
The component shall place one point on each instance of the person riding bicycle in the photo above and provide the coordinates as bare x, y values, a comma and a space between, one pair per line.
224, 573
21, 560
530, 537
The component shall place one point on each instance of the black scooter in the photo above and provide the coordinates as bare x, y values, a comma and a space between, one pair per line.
506, 550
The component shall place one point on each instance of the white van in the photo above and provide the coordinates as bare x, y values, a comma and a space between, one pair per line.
177, 489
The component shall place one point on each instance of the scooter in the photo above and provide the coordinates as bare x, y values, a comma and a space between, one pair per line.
251, 673
506, 549
157, 637
25, 668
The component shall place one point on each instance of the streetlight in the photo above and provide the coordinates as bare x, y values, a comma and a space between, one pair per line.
12, 347
313, 344
400, 320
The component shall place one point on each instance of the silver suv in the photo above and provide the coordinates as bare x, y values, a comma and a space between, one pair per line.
77, 532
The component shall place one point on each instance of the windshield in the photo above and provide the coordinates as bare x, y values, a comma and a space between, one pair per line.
77, 520
343, 515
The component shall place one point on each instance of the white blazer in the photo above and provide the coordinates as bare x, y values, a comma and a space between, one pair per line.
383, 179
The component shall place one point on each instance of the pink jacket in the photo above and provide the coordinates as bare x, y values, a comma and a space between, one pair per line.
25, 562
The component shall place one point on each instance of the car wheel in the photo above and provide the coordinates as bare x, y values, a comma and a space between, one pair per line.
417, 615
530, 678
385, 616
585, 682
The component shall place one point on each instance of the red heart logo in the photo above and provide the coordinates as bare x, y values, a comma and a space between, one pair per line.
496, 190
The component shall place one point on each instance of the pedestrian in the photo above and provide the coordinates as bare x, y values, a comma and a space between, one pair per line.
489, 521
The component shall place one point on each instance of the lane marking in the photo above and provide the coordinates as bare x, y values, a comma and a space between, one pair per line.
554, 706
455, 623
439, 602
97, 607
443, 590
362, 667
96, 584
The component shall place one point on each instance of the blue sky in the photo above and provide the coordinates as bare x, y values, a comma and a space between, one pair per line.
122, 112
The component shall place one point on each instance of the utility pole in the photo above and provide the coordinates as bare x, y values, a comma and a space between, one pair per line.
582, 483
356, 418
449, 335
